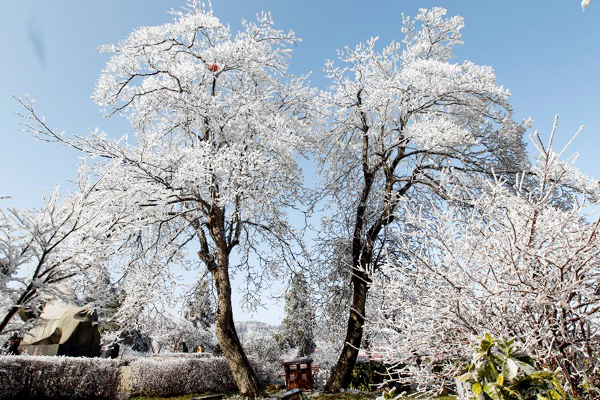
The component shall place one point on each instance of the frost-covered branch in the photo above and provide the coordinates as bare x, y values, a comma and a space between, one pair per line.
523, 263
43, 250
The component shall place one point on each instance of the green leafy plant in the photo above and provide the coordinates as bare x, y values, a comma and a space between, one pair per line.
217, 350
499, 371
390, 394
366, 375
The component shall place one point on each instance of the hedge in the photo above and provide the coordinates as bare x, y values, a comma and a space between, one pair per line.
45, 377
40, 377
173, 376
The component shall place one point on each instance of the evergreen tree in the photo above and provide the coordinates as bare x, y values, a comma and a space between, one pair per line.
297, 328
201, 307
336, 286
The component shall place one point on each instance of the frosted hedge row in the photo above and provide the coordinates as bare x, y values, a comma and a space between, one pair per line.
85, 378
172, 376
58, 377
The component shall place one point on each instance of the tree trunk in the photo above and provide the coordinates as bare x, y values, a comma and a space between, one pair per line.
26, 295
8, 317
341, 373
243, 374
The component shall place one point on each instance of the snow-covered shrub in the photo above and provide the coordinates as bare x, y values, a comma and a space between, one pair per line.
58, 378
327, 354
522, 262
180, 355
172, 376
268, 358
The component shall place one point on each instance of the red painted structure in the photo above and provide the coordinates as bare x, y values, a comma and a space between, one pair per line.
298, 374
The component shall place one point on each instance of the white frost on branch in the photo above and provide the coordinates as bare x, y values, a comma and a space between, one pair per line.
397, 118
218, 122
45, 252
523, 262
585, 4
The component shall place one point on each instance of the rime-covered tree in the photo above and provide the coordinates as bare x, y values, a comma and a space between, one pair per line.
398, 118
335, 290
523, 262
200, 307
46, 253
217, 121
169, 332
298, 326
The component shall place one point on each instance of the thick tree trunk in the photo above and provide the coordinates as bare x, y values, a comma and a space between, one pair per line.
242, 372
341, 373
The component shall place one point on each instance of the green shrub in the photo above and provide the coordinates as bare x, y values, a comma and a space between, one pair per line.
367, 375
217, 352
499, 371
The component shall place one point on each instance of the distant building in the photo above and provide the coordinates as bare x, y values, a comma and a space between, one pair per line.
254, 329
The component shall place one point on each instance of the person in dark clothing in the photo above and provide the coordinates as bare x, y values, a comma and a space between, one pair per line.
111, 351
13, 345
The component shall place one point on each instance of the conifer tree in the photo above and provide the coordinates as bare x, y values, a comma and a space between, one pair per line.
297, 328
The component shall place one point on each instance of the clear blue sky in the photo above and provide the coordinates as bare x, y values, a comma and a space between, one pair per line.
547, 52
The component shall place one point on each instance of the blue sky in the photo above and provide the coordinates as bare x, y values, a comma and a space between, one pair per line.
547, 52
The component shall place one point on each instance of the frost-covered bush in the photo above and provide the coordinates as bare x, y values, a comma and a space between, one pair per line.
58, 378
173, 376
327, 354
268, 356
180, 355
86, 378
522, 262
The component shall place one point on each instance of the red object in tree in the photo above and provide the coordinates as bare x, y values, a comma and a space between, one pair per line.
213, 67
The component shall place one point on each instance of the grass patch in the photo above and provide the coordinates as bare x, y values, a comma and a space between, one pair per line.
185, 397
182, 397
344, 396
316, 396
313, 396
